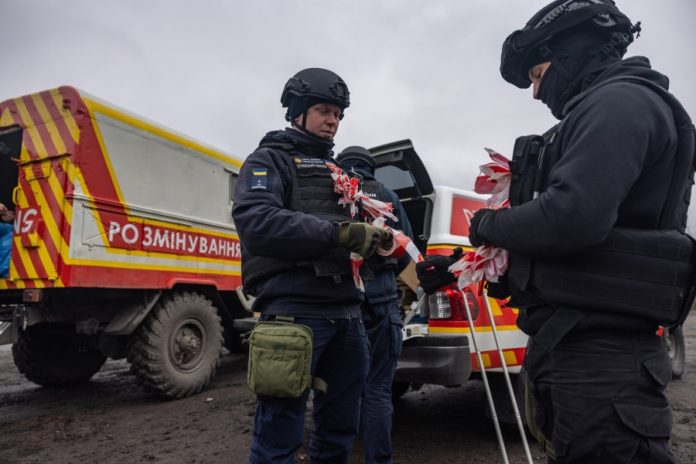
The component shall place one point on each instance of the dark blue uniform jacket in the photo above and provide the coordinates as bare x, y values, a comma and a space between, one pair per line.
267, 228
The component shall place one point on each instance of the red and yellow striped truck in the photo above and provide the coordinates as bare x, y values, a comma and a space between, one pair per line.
123, 244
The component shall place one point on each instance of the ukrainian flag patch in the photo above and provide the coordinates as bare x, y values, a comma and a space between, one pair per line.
258, 179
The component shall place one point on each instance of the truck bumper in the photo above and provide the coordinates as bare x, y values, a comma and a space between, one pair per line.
434, 359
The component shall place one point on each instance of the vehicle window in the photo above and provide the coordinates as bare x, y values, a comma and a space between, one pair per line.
394, 177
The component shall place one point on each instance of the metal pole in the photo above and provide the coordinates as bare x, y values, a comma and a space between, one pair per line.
415, 309
506, 374
486, 386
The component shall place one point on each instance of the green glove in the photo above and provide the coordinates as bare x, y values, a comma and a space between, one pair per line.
360, 238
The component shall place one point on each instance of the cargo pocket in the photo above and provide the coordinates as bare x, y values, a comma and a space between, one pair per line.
650, 421
396, 334
660, 368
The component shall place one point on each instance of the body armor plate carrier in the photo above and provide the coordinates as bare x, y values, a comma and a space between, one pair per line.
643, 273
311, 192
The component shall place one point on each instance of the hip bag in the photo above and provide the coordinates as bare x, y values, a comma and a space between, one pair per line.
280, 358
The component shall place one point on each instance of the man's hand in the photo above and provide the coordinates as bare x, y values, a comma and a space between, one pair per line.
433, 273
5, 214
475, 237
361, 238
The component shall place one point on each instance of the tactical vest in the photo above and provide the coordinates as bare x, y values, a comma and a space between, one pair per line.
375, 263
312, 192
643, 273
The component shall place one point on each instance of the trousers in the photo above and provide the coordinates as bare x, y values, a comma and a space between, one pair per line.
385, 336
340, 357
599, 398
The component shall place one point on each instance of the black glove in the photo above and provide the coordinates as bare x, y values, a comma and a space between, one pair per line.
361, 238
432, 272
474, 236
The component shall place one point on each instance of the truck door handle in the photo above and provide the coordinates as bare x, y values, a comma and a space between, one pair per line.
15, 195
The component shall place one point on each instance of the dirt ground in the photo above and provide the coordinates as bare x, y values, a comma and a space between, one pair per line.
112, 420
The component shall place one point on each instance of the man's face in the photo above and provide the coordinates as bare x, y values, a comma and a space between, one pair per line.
536, 72
322, 120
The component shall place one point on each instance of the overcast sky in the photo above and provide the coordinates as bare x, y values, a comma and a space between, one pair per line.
214, 70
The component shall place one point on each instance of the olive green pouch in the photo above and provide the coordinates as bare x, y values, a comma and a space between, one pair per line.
280, 359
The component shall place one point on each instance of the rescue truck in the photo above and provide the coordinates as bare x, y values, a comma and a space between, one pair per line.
123, 245
437, 347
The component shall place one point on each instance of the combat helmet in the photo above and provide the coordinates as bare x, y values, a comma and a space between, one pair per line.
311, 86
529, 46
356, 152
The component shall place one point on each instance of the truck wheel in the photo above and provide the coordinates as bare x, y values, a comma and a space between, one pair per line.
54, 355
673, 340
176, 349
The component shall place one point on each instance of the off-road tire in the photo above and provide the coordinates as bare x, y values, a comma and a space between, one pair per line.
176, 349
54, 355
673, 340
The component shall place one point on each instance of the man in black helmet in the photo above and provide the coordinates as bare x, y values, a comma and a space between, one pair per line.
296, 241
380, 314
595, 234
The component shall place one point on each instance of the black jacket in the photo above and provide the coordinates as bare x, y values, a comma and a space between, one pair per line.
617, 147
268, 228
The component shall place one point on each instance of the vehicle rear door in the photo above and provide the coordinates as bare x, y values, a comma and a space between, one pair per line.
400, 169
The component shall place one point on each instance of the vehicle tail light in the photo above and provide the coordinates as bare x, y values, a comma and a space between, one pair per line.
439, 305
448, 303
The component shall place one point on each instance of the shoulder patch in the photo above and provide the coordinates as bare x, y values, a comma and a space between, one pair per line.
258, 179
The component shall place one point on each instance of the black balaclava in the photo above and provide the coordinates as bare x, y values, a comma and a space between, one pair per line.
576, 58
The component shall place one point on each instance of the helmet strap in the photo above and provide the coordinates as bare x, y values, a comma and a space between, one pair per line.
304, 120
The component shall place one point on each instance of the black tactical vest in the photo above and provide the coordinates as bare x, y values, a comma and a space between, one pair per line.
311, 191
641, 273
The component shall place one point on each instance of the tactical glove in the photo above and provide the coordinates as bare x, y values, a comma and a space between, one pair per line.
475, 237
432, 272
361, 238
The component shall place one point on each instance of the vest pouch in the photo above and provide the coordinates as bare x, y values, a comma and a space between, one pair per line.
647, 274
334, 263
280, 359
524, 168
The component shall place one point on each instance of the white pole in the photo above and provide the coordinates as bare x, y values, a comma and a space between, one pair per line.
506, 374
486, 386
